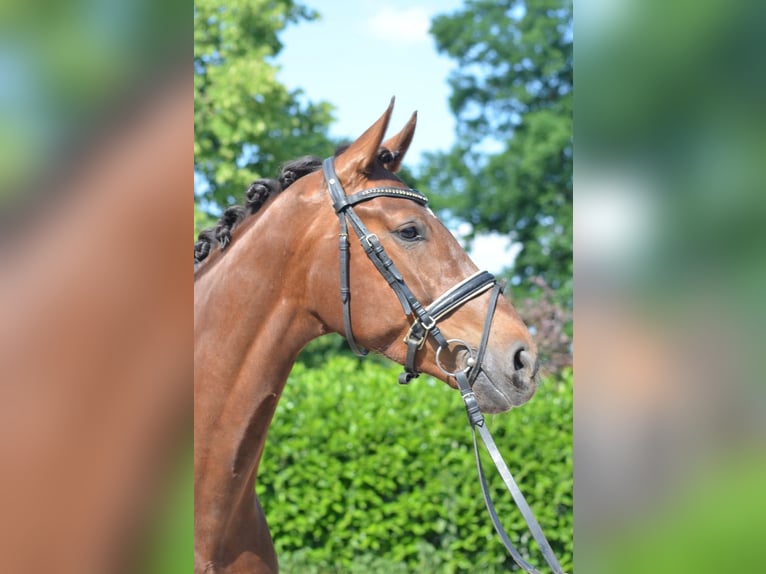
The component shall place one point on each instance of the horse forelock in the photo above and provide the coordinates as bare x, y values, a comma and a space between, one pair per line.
257, 194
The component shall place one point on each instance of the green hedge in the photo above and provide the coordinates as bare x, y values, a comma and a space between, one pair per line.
361, 474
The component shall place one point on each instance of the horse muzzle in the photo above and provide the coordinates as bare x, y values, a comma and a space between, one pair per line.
504, 383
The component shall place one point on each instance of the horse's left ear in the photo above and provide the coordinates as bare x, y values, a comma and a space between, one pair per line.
361, 155
400, 143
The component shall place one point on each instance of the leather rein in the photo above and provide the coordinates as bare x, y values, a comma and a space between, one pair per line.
425, 319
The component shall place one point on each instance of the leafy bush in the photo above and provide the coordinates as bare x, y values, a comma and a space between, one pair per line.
550, 322
361, 474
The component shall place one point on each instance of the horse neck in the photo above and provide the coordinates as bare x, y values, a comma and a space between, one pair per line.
250, 325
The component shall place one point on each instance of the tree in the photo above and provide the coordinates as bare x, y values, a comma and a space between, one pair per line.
245, 122
511, 169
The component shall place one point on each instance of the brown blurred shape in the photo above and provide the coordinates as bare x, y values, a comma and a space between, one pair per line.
95, 344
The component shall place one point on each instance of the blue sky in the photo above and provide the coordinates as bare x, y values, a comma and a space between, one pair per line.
359, 54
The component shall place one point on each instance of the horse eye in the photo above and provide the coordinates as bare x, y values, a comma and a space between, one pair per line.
409, 233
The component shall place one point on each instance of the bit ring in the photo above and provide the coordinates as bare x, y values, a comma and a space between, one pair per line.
470, 362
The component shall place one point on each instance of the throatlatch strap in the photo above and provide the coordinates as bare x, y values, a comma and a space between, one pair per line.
345, 290
336, 193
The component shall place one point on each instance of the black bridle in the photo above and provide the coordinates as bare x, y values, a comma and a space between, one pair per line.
425, 319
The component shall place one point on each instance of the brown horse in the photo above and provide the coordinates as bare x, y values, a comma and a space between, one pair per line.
272, 286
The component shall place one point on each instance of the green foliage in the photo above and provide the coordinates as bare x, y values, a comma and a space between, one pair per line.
550, 324
511, 169
202, 220
243, 117
170, 541
318, 351
361, 474
69, 69
699, 530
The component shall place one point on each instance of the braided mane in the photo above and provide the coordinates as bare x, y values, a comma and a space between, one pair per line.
256, 196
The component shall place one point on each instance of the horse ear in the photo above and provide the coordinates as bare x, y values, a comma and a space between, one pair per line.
361, 155
400, 143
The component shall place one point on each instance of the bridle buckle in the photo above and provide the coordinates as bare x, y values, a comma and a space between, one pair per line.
423, 329
368, 240
427, 326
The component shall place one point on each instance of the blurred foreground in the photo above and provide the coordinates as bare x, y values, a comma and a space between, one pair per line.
96, 290
669, 275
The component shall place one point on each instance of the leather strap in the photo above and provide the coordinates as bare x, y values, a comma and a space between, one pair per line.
398, 192
477, 422
467, 289
343, 205
336, 192
476, 419
518, 497
479, 359
526, 566
424, 324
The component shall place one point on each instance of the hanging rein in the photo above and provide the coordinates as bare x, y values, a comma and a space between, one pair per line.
425, 325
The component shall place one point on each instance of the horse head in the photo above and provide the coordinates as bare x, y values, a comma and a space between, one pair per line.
430, 262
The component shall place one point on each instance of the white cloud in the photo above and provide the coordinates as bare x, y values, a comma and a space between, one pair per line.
494, 252
616, 217
405, 26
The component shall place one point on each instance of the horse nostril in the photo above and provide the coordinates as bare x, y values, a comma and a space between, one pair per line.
523, 361
517, 362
